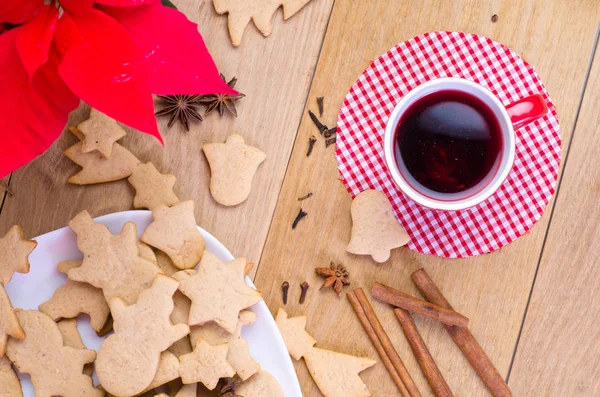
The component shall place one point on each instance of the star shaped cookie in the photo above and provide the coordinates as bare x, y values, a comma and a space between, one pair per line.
206, 364
218, 294
100, 133
174, 232
14, 253
151, 187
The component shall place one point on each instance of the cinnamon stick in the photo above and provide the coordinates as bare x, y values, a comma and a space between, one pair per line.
377, 343
464, 339
417, 344
419, 306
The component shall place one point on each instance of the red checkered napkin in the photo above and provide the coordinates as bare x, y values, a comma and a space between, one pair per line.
519, 202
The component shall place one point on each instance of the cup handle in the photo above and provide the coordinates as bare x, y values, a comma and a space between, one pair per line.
526, 110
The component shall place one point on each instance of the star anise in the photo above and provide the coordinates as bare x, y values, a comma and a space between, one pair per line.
226, 387
221, 101
181, 107
337, 276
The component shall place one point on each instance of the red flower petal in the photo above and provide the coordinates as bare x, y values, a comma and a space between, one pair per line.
19, 11
77, 6
104, 67
32, 112
125, 3
34, 39
178, 60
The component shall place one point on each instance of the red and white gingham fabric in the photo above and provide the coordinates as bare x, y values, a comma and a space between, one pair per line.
519, 202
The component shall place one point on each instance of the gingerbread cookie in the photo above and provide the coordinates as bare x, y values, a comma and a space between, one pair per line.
55, 369
73, 298
218, 294
9, 382
146, 252
14, 253
65, 266
188, 390
98, 169
166, 265
168, 370
206, 364
295, 337
111, 261
238, 354
152, 188
375, 230
260, 11
232, 167
174, 232
259, 385
180, 315
9, 322
128, 360
100, 132
71, 337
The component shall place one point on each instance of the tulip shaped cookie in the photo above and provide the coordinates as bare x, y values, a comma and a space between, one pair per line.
207, 364
9, 323
260, 384
14, 253
100, 133
128, 360
9, 382
174, 232
55, 369
375, 230
111, 261
232, 166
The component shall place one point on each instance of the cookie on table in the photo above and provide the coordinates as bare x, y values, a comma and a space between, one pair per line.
111, 261
232, 168
9, 382
98, 169
206, 364
9, 321
71, 337
152, 188
375, 230
73, 298
260, 384
100, 132
215, 282
261, 12
128, 360
293, 331
14, 253
238, 354
174, 231
55, 369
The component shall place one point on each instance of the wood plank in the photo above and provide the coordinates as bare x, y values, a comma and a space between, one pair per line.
492, 290
273, 72
559, 348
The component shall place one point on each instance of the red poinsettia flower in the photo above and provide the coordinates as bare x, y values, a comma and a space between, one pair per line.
112, 54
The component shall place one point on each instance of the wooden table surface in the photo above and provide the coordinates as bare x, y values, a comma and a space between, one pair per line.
534, 305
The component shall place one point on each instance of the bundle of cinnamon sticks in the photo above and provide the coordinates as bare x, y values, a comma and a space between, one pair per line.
437, 307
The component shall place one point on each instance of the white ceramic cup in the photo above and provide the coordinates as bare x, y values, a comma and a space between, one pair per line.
508, 117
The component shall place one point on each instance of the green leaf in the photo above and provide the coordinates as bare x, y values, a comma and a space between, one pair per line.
167, 3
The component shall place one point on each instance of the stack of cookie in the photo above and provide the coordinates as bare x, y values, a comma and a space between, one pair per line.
176, 310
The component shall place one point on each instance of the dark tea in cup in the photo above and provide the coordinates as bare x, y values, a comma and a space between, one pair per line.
448, 140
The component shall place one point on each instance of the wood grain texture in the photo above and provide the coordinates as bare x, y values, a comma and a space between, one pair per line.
273, 72
558, 353
492, 290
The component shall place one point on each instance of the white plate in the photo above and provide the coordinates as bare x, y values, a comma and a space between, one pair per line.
28, 291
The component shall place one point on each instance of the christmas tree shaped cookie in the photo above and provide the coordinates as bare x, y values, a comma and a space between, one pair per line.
55, 369
14, 253
375, 230
232, 166
111, 261
100, 133
260, 11
335, 374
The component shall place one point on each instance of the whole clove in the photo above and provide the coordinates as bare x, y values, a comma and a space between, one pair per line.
285, 288
311, 144
330, 141
322, 127
305, 197
330, 132
299, 217
320, 105
304, 287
